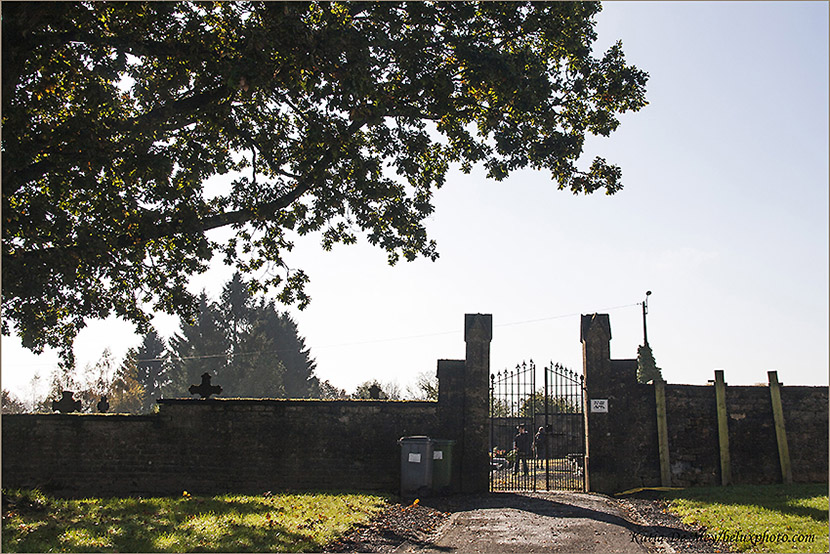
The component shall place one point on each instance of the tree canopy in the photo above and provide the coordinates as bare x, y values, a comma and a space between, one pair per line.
337, 119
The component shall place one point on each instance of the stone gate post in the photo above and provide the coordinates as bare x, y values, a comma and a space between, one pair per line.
595, 335
475, 462
610, 406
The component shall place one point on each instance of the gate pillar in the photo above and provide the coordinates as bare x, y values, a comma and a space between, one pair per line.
609, 409
475, 460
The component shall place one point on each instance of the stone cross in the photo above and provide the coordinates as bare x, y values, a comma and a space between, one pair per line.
205, 389
103, 405
66, 404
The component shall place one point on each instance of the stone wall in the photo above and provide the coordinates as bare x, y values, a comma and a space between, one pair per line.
248, 445
239, 445
806, 418
692, 425
208, 446
753, 449
623, 444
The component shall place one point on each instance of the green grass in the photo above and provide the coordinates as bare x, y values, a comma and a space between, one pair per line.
759, 518
34, 522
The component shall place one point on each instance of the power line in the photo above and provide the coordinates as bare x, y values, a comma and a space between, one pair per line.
563, 316
439, 333
373, 341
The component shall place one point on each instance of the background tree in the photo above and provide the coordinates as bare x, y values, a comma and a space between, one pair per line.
500, 408
236, 309
63, 378
305, 105
200, 347
647, 369
88, 385
425, 388
127, 394
151, 367
330, 392
299, 379
34, 396
249, 346
388, 391
255, 368
11, 404
94, 382
535, 404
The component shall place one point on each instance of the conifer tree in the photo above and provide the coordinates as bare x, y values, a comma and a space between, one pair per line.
255, 369
299, 380
647, 369
200, 347
151, 368
249, 347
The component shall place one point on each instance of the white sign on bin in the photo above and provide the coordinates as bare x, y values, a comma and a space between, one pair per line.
415, 458
438, 455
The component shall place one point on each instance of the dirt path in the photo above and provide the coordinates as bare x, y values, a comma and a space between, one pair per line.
541, 522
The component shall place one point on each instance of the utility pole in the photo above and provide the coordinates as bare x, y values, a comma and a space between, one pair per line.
645, 311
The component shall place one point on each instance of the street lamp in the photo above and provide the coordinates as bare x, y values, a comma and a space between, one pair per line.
645, 311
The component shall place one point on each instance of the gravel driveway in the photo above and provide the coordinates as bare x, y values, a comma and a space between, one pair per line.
528, 522
550, 522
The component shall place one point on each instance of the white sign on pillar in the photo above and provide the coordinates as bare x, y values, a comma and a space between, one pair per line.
599, 405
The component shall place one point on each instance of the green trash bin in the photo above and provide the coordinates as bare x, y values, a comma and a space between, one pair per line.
442, 465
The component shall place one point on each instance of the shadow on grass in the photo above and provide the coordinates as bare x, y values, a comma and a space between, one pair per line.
777, 498
35, 523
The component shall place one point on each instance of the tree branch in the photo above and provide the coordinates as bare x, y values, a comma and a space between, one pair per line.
155, 228
173, 112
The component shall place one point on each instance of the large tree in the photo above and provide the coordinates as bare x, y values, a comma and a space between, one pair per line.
337, 118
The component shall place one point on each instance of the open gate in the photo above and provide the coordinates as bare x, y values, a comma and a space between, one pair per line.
551, 455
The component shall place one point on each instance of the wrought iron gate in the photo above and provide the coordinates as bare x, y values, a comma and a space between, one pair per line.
549, 452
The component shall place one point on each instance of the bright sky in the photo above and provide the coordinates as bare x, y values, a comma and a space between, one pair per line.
724, 216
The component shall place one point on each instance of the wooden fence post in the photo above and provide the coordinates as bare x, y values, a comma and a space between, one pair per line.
723, 429
662, 432
780, 430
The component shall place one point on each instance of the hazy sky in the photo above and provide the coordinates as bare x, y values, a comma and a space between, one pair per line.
724, 216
